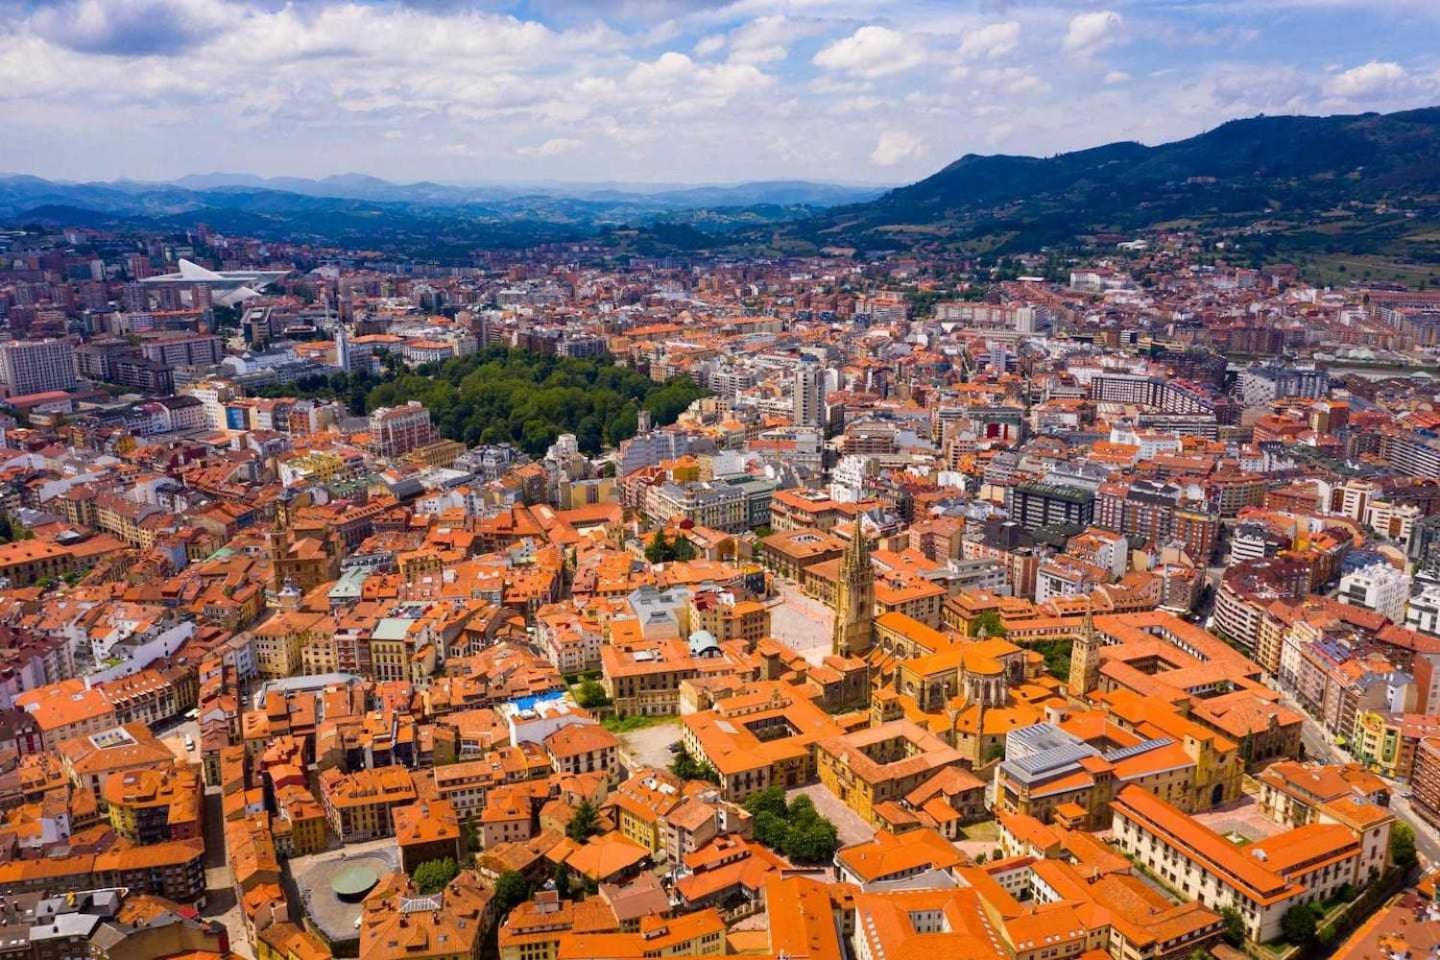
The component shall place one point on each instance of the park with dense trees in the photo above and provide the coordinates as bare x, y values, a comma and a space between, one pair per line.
501, 395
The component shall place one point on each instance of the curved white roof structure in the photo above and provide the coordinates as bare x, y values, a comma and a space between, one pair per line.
229, 287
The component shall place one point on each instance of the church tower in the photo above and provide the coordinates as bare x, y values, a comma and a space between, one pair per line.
1085, 658
855, 599
279, 535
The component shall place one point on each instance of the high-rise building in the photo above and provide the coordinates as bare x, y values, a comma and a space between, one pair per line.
1425, 548
855, 599
810, 395
35, 366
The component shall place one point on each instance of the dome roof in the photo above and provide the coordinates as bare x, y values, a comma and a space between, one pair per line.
702, 642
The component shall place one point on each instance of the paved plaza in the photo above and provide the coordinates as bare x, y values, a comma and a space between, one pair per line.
336, 918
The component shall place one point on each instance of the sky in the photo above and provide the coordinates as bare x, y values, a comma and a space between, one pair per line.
679, 91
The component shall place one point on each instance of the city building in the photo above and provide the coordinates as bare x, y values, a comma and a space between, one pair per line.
29, 367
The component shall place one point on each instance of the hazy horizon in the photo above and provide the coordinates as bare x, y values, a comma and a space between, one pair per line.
649, 185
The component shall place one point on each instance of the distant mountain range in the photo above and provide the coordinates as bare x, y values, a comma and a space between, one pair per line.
369, 212
667, 196
1341, 184
1291, 171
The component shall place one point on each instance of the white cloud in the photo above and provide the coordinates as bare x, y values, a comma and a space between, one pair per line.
895, 147
1090, 33
856, 105
1376, 78
872, 52
766, 39
1011, 81
1117, 77
554, 147
829, 84
683, 84
708, 46
991, 41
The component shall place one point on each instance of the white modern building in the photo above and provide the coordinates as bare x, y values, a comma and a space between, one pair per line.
851, 479
227, 287
1424, 612
1379, 587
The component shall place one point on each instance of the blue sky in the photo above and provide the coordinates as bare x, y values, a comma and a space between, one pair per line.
669, 90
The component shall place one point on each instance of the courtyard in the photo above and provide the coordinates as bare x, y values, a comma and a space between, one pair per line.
802, 623
1240, 822
650, 746
849, 827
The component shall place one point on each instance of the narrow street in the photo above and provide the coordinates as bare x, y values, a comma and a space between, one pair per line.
220, 901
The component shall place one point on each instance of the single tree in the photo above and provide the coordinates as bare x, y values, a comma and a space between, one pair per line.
801, 808
561, 877
664, 549
657, 551
813, 841
591, 694
1297, 925
770, 800
770, 830
584, 823
1402, 845
990, 622
1234, 926
432, 876
687, 767
511, 890
470, 835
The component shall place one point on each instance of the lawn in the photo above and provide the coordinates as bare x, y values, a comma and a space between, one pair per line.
633, 722
987, 830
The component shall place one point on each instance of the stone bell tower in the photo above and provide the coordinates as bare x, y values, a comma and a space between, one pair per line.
855, 599
1085, 658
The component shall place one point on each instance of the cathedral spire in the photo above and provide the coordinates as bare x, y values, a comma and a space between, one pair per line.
855, 598
1085, 656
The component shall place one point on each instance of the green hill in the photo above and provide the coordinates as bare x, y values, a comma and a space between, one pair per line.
1350, 174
